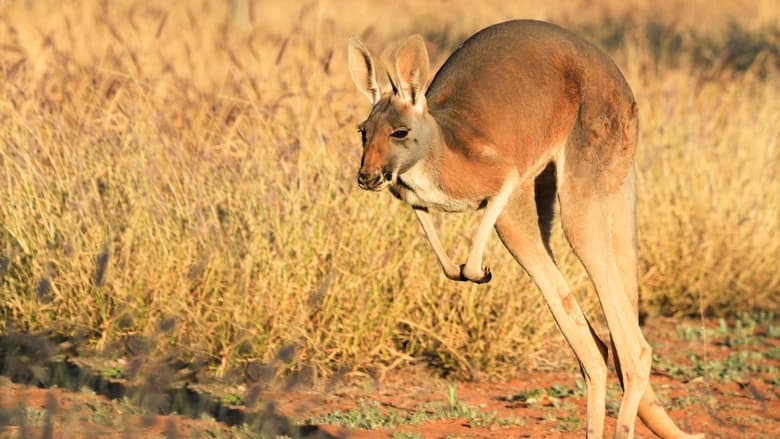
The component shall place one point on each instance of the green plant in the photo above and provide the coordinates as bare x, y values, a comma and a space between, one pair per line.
366, 415
564, 423
115, 371
233, 399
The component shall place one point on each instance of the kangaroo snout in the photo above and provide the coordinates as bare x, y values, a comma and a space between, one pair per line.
371, 179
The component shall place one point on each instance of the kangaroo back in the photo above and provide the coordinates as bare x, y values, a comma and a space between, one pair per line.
524, 86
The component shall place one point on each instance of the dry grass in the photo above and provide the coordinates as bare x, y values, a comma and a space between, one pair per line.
195, 166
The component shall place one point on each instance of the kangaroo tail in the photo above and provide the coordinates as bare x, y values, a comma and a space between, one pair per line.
656, 419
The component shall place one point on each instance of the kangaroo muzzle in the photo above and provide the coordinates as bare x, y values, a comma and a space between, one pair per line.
372, 179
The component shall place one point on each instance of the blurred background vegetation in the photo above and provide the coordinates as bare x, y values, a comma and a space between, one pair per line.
184, 172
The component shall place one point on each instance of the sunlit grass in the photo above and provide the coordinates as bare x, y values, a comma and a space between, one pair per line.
194, 168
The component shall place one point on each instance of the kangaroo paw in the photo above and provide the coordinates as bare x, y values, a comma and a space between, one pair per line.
478, 278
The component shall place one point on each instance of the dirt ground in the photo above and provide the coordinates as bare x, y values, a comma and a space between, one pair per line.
721, 378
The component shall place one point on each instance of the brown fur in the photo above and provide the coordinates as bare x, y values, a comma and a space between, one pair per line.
519, 112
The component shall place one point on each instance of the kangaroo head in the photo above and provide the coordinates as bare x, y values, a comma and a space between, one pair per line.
399, 130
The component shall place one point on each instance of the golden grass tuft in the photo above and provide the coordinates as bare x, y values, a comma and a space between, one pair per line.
197, 162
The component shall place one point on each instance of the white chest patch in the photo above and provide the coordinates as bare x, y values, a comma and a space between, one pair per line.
418, 187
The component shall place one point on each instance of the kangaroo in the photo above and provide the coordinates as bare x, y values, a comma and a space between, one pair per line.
522, 112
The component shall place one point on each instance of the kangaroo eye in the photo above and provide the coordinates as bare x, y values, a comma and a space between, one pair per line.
400, 134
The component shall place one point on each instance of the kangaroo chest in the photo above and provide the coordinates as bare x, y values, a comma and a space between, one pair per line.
419, 188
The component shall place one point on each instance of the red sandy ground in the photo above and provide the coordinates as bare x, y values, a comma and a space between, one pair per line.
749, 408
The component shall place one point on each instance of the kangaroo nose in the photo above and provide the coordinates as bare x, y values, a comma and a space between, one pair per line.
370, 179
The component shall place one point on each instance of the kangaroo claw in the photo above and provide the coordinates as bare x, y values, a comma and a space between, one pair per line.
483, 279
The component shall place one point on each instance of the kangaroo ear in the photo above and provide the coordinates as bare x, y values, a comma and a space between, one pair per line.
363, 70
411, 66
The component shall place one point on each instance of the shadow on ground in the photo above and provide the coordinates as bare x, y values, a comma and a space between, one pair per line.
40, 361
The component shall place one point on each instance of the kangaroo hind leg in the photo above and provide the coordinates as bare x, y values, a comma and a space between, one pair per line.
518, 226
588, 222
